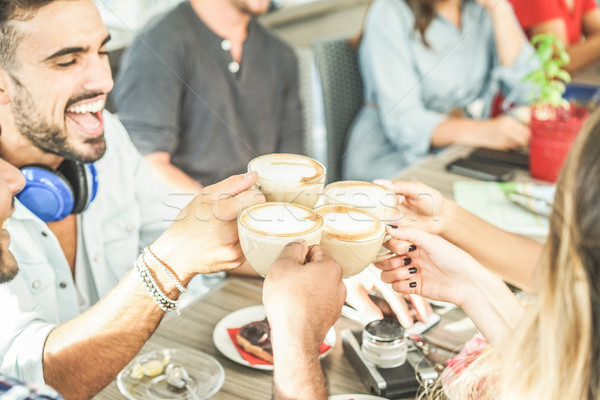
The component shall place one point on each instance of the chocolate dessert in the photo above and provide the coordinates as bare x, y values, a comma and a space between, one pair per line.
255, 338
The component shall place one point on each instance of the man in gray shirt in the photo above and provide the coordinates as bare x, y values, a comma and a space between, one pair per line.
205, 88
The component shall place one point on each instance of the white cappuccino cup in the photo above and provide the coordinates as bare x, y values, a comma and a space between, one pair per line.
264, 230
352, 236
289, 178
365, 195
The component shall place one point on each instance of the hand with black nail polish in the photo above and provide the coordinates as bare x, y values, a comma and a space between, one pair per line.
439, 270
422, 206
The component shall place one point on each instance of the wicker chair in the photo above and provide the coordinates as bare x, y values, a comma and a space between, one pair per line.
342, 96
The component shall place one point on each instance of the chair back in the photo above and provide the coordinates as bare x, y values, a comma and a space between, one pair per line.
342, 88
305, 64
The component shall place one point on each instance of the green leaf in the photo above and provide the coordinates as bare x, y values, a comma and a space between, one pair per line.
535, 76
564, 76
545, 52
558, 87
564, 57
550, 78
560, 46
541, 38
552, 69
555, 99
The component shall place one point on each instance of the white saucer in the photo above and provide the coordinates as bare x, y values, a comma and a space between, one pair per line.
242, 317
206, 375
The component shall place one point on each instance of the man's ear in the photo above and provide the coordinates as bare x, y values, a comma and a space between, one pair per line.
4, 91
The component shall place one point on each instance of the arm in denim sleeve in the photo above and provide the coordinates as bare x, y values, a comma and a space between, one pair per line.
387, 60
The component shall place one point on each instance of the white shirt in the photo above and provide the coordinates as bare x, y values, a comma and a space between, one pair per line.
129, 212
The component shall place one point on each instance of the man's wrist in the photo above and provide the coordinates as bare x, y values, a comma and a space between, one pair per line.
294, 339
297, 370
163, 280
165, 249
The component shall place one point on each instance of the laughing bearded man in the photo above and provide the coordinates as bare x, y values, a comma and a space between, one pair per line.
88, 207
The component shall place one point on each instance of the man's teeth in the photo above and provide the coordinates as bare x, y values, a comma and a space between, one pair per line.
4, 224
86, 108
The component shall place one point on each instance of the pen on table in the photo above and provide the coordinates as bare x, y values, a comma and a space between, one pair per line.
532, 197
535, 205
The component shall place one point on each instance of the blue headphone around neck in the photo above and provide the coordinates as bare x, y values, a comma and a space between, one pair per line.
53, 195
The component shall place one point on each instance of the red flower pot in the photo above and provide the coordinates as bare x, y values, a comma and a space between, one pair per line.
551, 140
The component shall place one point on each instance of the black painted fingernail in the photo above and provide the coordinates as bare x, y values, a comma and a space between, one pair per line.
393, 226
412, 247
413, 284
407, 261
412, 270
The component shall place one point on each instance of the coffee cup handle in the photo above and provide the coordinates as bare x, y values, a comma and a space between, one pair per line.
256, 186
384, 254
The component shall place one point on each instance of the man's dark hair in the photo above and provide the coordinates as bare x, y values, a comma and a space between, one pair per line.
12, 10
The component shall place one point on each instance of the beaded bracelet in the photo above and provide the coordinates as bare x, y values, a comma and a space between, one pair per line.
161, 299
148, 251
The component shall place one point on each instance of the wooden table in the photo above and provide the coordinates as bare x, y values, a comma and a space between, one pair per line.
195, 327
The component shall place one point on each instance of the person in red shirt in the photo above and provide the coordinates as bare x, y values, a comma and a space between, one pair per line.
574, 22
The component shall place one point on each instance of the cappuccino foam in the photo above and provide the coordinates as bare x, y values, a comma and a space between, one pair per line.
365, 195
292, 168
349, 223
281, 219
286, 172
360, 194
265, 229
352, 236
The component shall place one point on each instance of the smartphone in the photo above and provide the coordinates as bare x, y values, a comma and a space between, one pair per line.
508, 158
484, 171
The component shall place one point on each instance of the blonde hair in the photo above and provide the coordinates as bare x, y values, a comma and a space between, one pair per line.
554, 352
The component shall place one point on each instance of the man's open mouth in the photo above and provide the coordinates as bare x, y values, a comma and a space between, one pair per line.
87, 116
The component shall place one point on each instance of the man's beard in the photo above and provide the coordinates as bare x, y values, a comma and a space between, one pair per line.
8, 267
50, 137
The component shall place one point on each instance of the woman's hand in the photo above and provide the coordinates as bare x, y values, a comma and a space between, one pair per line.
420, 206
504, 133
437, 270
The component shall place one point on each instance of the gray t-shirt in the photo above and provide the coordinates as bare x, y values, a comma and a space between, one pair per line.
178, 91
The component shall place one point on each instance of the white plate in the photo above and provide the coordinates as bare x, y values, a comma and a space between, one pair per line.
242, 317
206, 375
355, 397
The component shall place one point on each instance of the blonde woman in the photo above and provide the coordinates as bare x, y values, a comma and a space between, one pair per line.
550, 348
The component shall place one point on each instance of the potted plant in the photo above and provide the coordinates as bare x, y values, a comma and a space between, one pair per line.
554, 121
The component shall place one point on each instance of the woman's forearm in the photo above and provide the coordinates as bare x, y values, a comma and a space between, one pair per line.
492, 308
508, 36
457, 130
514, 257
584, 53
